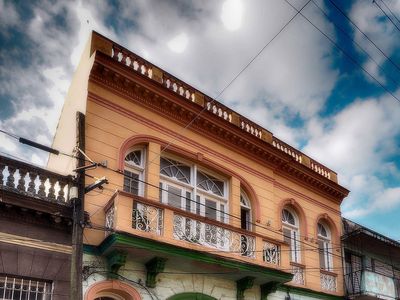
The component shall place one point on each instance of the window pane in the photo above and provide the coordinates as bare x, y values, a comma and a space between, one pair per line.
211, 207
174, 196
321, 254
131, 182
188, 201
210, 184
287, 217
134, 158
175, 169
287, 235
222, 213
198, 205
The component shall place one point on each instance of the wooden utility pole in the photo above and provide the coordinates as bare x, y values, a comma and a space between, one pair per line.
78, 214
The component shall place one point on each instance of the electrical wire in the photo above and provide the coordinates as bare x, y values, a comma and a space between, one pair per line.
388, 8
364, 34
236, 76
355, 43
345, 53
394, 24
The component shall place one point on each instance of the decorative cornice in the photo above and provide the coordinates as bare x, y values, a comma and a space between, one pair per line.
34, 243
138, 88
139, 118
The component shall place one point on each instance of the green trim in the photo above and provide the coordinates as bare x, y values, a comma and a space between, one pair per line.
191, 296
152, 245
308, 292
90, 249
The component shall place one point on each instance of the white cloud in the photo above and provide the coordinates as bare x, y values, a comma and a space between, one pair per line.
179, 43
231, 15
378, 28
357, 143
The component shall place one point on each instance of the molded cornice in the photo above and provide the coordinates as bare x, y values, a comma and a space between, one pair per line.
151, 94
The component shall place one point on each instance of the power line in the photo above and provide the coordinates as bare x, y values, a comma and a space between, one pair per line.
237, 75
355, 42
364, 34
223, 212
394, 24
345, 53
388, 8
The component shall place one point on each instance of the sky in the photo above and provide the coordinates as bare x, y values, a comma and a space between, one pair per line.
328, 84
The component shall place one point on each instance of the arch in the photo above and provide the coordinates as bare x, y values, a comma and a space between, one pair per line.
116, 287
196, 158
325, 218
291, 203
191, 296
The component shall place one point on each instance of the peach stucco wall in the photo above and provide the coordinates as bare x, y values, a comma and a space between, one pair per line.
114, 120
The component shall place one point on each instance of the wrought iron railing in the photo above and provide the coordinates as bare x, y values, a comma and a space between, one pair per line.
213, 236
271, 253
110, 221
298, 275
147, 218
328, 282
23, 178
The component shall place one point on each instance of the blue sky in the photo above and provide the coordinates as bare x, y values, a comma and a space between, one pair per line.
301, 87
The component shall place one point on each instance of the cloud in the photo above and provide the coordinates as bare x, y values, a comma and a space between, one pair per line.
360, 142
231, 15
371, 20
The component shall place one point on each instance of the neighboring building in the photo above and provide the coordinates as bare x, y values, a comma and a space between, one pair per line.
202, 202
371, 263
35, 232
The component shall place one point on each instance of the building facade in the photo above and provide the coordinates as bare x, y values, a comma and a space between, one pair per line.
371, 263
35, 232
201, 203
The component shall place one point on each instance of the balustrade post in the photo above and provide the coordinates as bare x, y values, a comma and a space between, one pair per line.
21, 181
61, 194
42, 189
2, 167
51, 194
31, 185
10, 179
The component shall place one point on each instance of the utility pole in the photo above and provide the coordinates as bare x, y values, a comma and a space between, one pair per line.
78, 214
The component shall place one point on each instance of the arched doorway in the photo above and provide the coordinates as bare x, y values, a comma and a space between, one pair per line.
191, 296
112, 290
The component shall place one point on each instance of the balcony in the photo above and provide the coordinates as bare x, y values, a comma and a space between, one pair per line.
153, 222
31, 187
364, 284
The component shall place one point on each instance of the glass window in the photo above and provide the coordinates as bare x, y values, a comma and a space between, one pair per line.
324, 246
290, 230
245, 211
175, 170
186, 187
134, 172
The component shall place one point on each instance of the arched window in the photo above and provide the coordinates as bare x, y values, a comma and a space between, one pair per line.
189, 187
245, 211
290, 229
324, 245
134, 171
